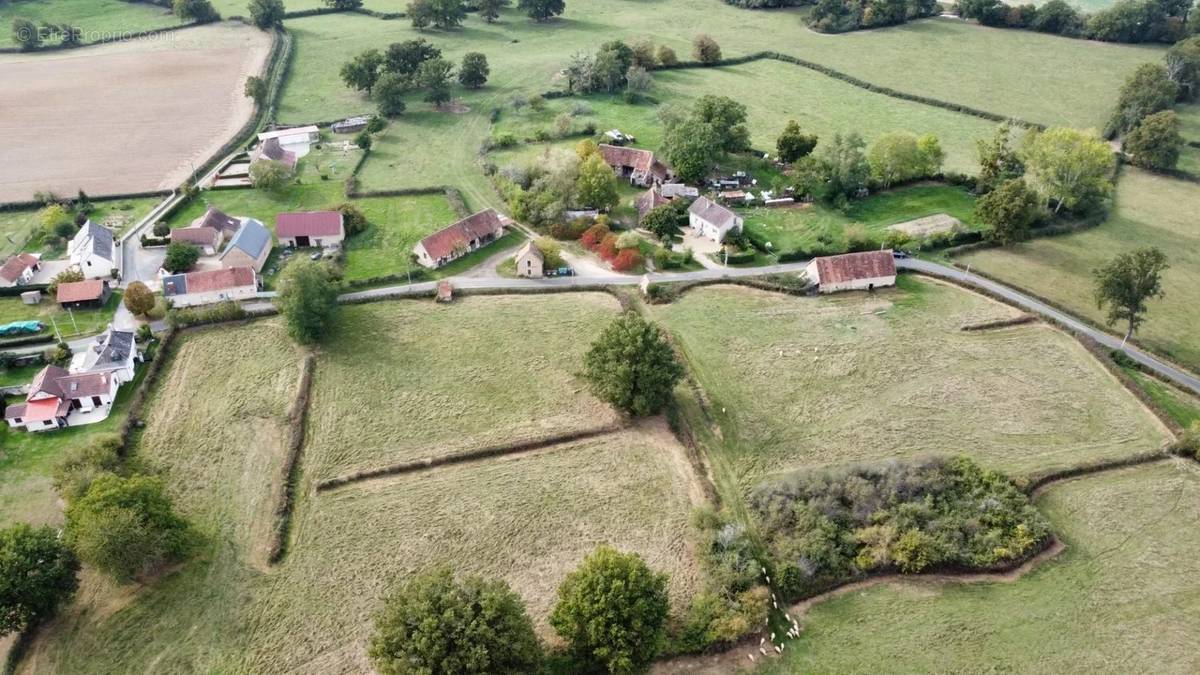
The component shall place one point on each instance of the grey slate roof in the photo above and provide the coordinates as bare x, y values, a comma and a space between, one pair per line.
175, 284
712, 212
102, 240
117, 348
252, 237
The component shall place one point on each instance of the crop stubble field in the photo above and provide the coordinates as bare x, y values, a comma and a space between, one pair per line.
124, 117
529, 518
834, 380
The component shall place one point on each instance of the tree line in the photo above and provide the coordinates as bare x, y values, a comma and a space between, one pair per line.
387, 77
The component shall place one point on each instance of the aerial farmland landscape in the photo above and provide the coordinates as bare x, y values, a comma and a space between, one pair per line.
599, 336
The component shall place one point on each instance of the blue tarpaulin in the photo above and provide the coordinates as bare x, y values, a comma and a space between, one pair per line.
21, 328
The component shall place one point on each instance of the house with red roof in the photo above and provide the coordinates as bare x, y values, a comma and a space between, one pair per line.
210, 286
321, 229
18, 270
59, 399
468, 234
853, 271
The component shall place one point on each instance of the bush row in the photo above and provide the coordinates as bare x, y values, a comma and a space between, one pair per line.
291, 468
37, 204
418, 274
120, 37
400, 192
186, 317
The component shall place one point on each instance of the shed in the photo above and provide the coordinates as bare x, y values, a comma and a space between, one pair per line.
853, 271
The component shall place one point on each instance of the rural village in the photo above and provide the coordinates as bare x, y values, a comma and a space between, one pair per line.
600, 336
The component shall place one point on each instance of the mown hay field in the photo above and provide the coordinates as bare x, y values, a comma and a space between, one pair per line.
215, 433
1150, 211
409, 380
72, 117
857, 377
1122, 597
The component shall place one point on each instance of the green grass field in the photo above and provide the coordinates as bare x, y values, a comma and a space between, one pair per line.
1183, 407
856, 377
97, 18
1150, 211
1120, 598
432, 393
791, 228
217, 440
75, 322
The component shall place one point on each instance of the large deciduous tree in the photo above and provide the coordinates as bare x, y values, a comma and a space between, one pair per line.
542, 10
1127, 283
632, 367
362, 72
1147, 91
1155, 143
691, 147
389, 94
489, 10
597, 184
846, 167
434, 77
473, 72
308, 300
1183, 66
433, 623
793, 143
727, 117
1074, 168
256, 89
612, 612
38, 572
180, 258
998, 160
138, 298
200, 11
405, 58
1010, 210
266, 13
662, 220
899, 156
444, 14
706, 50
126, 527
267, 174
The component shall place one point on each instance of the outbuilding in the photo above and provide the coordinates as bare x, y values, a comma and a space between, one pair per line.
250, 247
459, 239
210, 286
89, 294
310, 228
853, 271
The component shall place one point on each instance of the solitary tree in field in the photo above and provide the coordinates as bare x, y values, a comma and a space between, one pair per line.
1155, 142
266, 13
200, 11
706, 50
307, 300
542, 10
26, 34
126, 527
1010, 210
1127, 283
433, 623
1072, 167
37, 573
256, 88
632, 367
612, 612
474, 71
138, 298
489, 10
434, 77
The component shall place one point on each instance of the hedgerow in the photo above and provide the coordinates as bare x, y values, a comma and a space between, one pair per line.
824, 527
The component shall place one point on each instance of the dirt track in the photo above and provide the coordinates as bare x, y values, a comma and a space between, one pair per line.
124, 117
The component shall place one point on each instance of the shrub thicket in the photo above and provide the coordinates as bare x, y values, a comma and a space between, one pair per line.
823, 527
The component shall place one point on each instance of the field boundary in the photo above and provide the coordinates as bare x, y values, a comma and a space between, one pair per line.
1001, 323
426, 463
297, 417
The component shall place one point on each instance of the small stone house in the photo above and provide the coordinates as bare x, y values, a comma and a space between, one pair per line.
710, 220
853, 271
530, 261
250, 247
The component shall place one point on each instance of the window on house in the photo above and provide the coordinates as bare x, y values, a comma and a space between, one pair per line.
96, 401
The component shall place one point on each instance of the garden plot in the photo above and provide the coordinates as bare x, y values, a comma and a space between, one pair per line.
923, 227
125, 117
856, 377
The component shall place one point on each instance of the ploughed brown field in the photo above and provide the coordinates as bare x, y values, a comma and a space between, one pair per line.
125, 117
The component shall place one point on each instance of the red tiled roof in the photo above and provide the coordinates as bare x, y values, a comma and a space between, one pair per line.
15, 266
79, 291
217, 280
218, 221
309, 224
650, 199
441, 244
617, 156
45, 410
46, 382
271, 149
202, 236
868, 265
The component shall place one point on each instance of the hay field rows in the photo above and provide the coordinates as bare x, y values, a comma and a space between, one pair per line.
832, 380
125, 117
1122, 597
1150, 211
409, 380
214, 431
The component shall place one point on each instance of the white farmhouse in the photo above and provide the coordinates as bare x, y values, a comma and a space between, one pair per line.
92, 250
853, 271
710, 220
